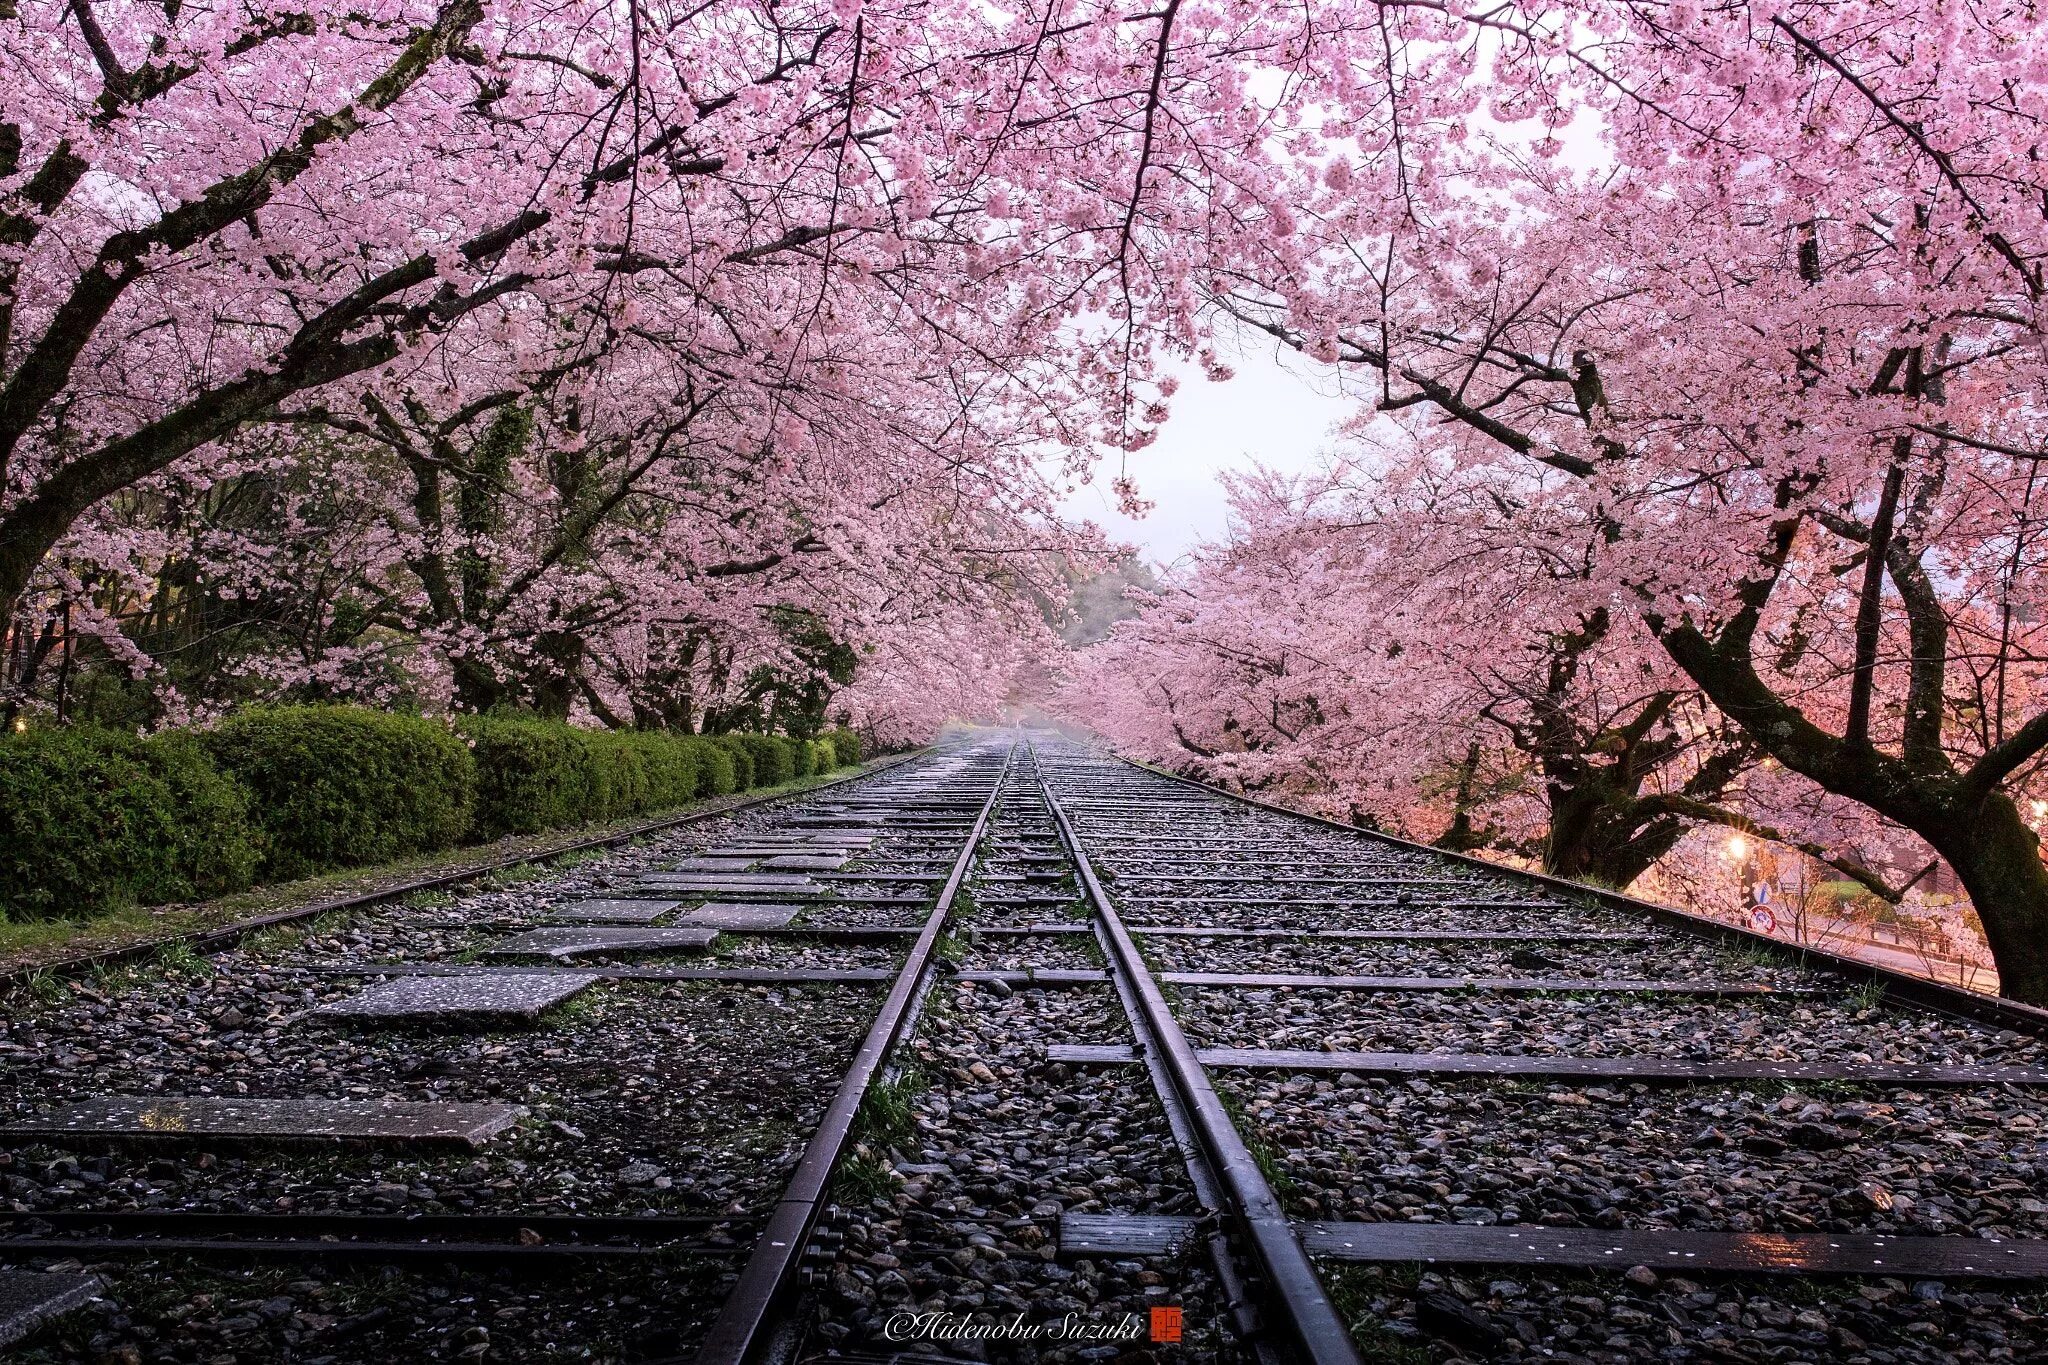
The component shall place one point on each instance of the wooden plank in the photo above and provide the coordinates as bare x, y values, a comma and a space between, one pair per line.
149, 1117
1040, 976
1647, 1069
1123, 1234
1390, 935
1805, 1253
1091, 1054
770, 976
1509, 984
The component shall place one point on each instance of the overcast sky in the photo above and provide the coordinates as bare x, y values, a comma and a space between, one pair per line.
1273, 412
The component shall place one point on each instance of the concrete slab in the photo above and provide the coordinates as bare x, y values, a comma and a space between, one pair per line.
485, 998
29, 1299
741, 915
806, 862
568, 942
309, 1120
605, 911
718, 863
710, 883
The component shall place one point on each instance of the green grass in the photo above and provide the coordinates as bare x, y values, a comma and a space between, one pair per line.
862, 1176
1352, 1290
1269, 1166
1868, 995
888, 1112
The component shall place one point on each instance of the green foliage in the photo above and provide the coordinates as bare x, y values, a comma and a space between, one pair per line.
341, 786
532, 775
803, 759
716, 769
791, 698
773, 764
537, 774
845, 746
91, 820
742, 760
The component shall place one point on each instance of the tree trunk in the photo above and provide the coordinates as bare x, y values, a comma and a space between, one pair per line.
1595, 837
1998, 860
476, 687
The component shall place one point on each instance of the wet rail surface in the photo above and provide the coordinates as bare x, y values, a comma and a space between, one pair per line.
1017, 1052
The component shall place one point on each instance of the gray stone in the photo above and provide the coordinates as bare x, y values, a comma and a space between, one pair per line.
308, 1120
515, 997
567, 942
710, 883
807, 862
29, 1298
741, 915
614, 911
717, 863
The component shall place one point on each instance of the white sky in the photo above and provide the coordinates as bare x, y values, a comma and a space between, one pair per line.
1275, 411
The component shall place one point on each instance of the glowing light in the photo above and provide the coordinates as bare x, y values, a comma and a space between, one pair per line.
1738, 847
2040, 808
21, 728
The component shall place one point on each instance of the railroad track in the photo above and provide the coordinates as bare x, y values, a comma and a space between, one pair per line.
1021, 1052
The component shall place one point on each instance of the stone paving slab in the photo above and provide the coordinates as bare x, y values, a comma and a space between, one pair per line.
29, 1299
787, 884
806, 862
741, 915
307, 1120
486, 997
572, 942
615, 911
717, 862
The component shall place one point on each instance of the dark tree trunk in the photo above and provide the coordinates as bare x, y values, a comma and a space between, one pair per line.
1998, 860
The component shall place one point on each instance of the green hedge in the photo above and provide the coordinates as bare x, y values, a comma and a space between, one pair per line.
773, 765
93, 819
532, 776
845, 747
717, 768
741, 757
342, 786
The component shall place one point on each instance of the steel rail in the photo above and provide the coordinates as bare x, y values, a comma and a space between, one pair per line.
1238, 1294
1294, 1289
277, 1248
1904, 987
742, 1330
225, 936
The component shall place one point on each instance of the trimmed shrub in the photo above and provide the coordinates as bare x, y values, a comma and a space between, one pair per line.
717, 766
618, 770
91, 820
772, 765
673, 768
803, 759
845, 746
340, 786
823, 758
742, 761
531, 775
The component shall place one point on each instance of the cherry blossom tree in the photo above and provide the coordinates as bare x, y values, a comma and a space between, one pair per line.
1778, 337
